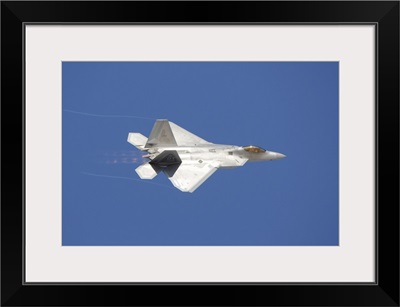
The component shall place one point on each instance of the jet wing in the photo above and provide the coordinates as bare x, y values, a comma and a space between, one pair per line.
188, 177
184, 137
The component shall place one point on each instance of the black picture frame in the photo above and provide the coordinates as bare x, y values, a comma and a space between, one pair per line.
383, 14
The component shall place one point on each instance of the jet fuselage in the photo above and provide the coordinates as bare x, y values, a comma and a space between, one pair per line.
188, 160
227, 156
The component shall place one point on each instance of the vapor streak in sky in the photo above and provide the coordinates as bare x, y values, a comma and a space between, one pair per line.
107, 116
126, 178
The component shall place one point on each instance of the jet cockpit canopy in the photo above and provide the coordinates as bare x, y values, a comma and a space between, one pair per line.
254, 149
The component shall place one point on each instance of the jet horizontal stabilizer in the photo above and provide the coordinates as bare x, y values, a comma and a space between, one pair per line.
137, 139
147, 171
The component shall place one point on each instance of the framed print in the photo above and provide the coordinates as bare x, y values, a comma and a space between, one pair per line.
130, 116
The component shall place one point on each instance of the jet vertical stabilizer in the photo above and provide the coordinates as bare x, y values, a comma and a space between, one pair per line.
161, 135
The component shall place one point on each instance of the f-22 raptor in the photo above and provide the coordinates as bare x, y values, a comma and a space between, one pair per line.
188, 160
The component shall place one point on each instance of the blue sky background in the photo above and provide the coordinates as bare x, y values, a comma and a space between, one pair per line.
289, 107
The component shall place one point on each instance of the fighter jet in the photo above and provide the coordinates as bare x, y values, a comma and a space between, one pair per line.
188, 160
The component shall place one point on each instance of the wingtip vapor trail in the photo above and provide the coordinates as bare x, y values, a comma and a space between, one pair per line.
125, 178
107, 116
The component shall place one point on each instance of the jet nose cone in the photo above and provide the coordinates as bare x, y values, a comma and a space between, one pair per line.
279, 155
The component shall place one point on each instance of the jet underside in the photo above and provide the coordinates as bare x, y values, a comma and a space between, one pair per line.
186, 159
